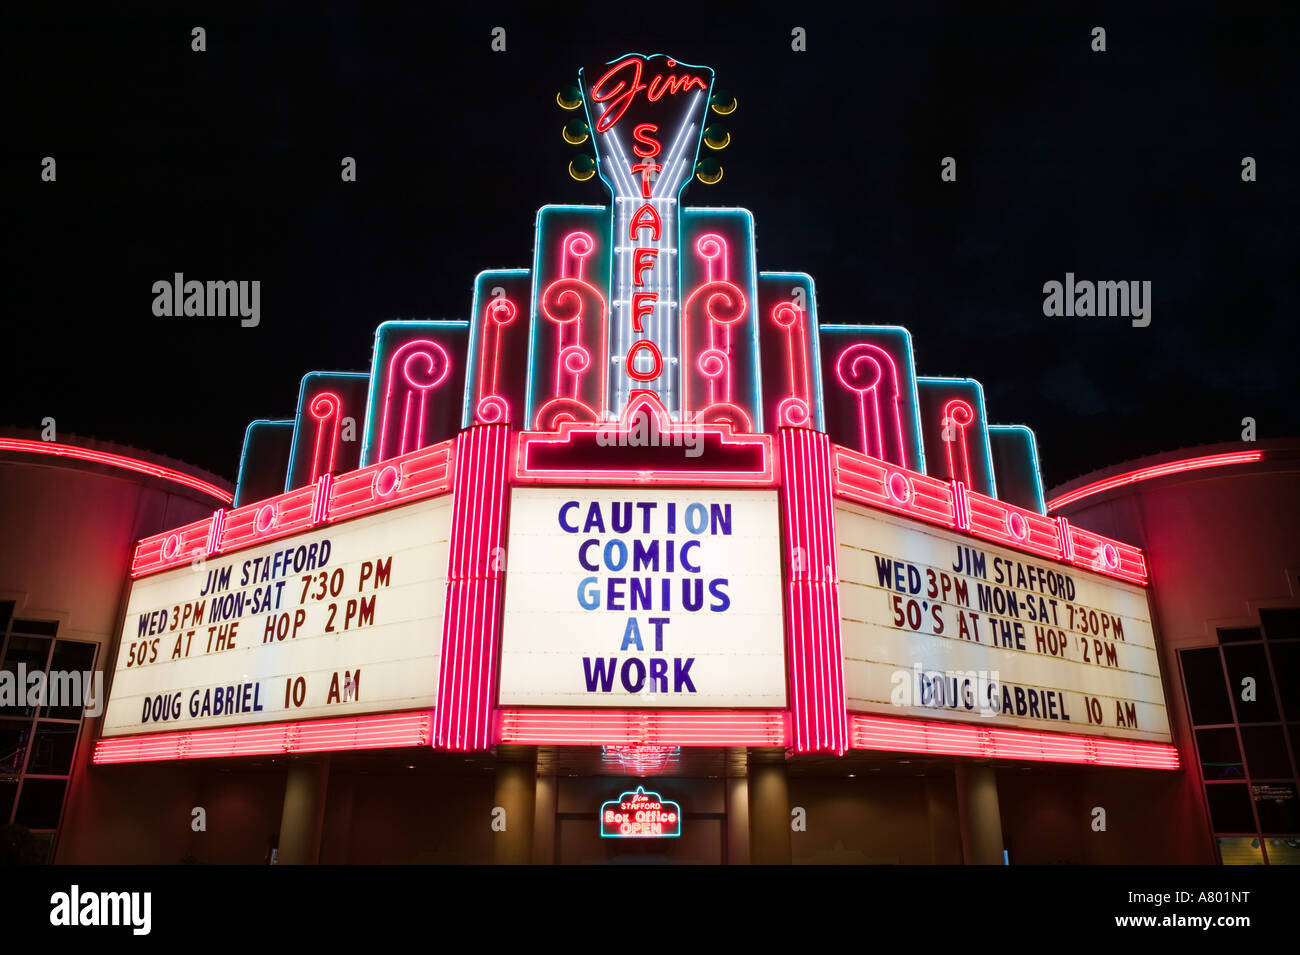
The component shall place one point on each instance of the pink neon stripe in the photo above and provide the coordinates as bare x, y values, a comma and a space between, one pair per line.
918, 736
817, 702
864, 480
115, 460
1154, 471
381, 731
464, 708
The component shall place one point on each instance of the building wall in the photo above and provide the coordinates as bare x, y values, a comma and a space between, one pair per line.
1220, 543
1049, 817
394, 816
67, 534
876, 820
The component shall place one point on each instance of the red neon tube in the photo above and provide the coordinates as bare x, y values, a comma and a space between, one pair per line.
1154, 471
115, 460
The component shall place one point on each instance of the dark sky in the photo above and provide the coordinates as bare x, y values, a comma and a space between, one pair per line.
225, 165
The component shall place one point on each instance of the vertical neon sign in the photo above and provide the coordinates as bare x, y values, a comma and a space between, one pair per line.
647, 114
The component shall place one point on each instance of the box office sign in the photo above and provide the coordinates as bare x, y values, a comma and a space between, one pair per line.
640, 815
937, 625
336, 622
643, 598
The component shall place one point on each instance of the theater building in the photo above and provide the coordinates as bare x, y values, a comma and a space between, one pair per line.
647, 561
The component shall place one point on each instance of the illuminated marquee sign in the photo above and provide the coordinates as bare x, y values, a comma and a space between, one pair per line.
336, 622
635, 598
640, 815
937, 625
640, 349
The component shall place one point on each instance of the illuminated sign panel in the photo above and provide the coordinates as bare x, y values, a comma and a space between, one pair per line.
642, 348
648, 116
643, 598
335, 622
640, 815
937, 625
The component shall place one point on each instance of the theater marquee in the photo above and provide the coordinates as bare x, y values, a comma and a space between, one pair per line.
679, 507
935, 624
636, 598
336, 622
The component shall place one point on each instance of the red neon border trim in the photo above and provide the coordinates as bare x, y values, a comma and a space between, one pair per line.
525, 473
561, 727
419, 474
952, 739
382, 731
875, 483
28, 446
1154, 471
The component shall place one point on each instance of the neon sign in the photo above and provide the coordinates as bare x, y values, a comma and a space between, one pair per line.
640, 328
612, 89
640, 815
647, 138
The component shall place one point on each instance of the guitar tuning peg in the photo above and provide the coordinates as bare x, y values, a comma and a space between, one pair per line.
582, 168
723, 103
708, 171
576, 132
570, 97
716, 136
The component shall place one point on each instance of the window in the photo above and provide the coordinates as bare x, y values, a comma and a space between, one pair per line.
1281, 624
1240, 634
1220, 754
1240, 850
1277, 807
1243, 697
1207, 694
1251, 682
1230, 808
39, 742
1266, 752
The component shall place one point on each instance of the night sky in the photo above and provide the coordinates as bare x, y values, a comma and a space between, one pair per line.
1123, 165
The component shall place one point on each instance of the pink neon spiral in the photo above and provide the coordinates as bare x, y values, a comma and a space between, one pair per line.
575, 359
324, 405
579, 245
711, 245
712, 363
562, 300
786, 314
436, 365
960, 412
492, 409
858, 370
501, 311
793, 413
724, 302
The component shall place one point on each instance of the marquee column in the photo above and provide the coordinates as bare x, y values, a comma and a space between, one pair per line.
977, 810
475, 567
737, 803
303, 815
546, 794
769, 808
815, 656
515, 793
